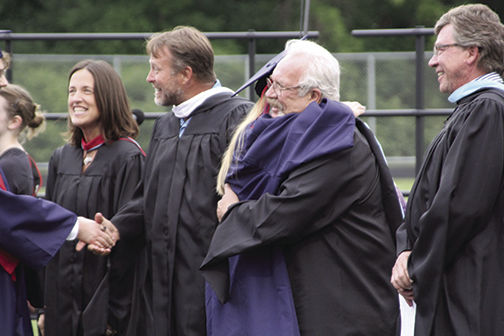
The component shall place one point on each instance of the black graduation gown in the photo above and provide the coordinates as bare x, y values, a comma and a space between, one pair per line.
32, 230
335, 219
176, 206
81, 296
454, 224
18, 174
16, 166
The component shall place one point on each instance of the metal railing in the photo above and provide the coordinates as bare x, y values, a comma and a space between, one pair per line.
419, 33
419, 112
251, 36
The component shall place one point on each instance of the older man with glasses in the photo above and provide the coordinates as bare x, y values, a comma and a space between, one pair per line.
308, 214
451, 245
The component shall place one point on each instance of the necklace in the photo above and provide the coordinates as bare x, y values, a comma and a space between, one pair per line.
89, 148
87, 159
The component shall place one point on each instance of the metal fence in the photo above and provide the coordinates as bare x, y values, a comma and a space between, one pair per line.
370, 61
251, 36
419, 33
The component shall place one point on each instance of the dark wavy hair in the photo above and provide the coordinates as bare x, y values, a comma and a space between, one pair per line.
116, 118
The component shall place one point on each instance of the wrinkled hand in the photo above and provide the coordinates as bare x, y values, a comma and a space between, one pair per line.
400, 278
110, 229
356, 107
229, 198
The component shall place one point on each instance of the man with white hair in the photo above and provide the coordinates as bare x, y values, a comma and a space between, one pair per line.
311, 181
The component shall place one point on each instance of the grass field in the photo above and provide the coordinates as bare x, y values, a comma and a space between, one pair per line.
404, 184
34, 327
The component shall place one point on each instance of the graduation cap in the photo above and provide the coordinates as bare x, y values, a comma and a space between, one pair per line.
263, 73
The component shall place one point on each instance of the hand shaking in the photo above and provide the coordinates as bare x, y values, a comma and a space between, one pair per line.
100, 235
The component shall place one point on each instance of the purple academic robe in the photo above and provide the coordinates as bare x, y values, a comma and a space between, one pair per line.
32, 230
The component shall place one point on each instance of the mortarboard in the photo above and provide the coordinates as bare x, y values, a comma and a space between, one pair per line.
263, 73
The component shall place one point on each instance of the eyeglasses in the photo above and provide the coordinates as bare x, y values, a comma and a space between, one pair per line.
440, 48
278, 88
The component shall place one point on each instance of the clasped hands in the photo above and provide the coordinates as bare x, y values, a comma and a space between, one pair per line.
99, 234
400, 278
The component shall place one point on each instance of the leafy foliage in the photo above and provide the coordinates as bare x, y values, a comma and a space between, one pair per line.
392, 86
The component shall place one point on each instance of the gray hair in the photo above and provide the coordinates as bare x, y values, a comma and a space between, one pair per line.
477, 25
322, 69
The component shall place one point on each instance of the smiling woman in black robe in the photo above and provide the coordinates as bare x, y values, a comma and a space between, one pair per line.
97, 171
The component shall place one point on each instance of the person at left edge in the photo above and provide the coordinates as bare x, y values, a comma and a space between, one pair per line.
31, 232
20, 119
96, 171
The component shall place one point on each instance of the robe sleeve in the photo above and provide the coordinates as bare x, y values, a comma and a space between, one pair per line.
130, 220
127, 179
402, 242
296, 212
235, 117
33, 229
51, 173
465, 200
123, 256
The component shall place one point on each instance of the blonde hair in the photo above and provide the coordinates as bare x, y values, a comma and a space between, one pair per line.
236, 144
20, 103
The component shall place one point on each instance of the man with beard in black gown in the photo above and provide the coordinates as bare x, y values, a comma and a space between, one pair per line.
175, 204
452, 242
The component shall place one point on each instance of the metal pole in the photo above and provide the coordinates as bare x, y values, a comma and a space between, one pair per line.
301, 13
251, 60
371, 88
419, 101
306, 17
